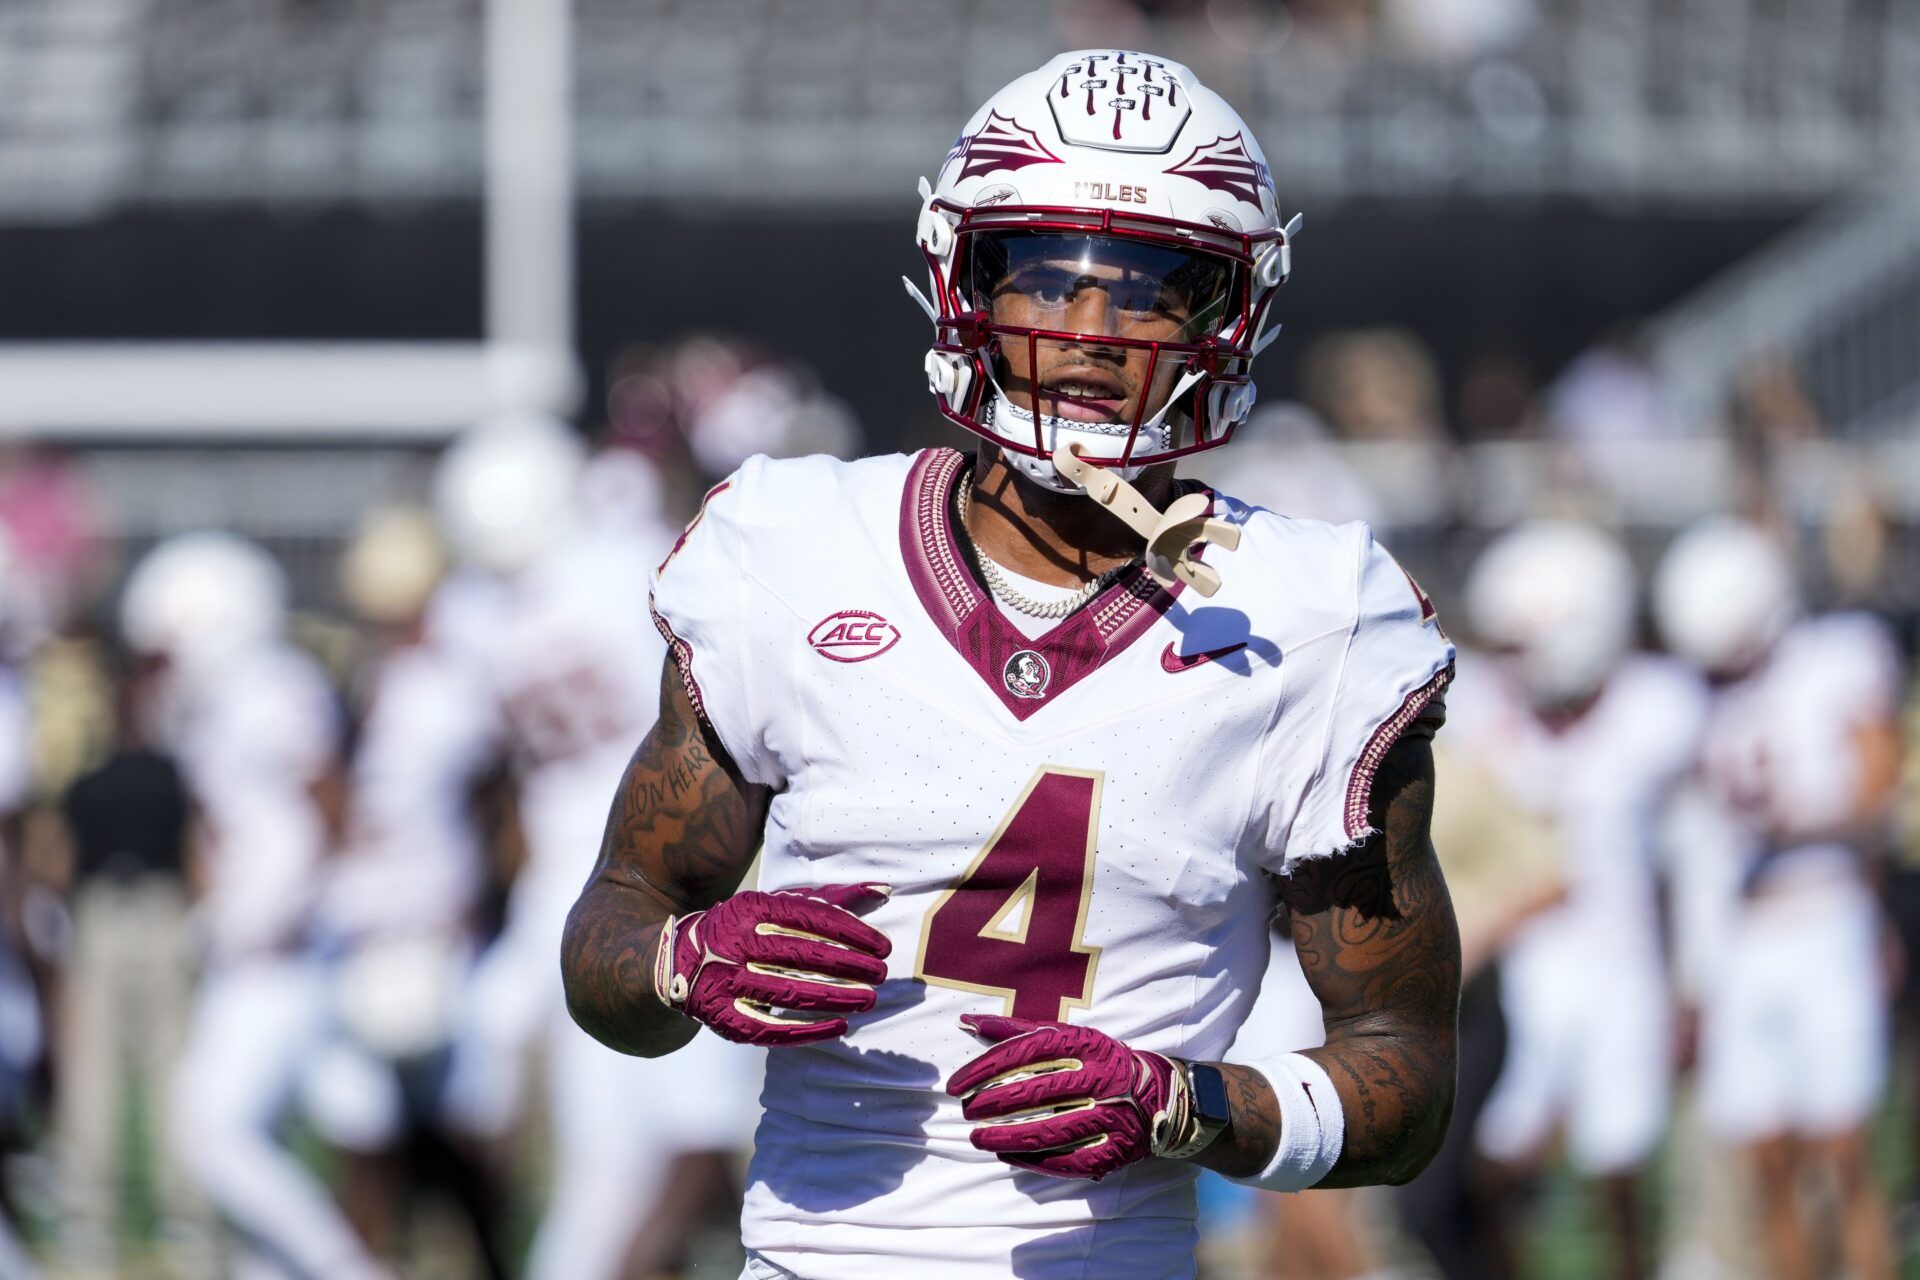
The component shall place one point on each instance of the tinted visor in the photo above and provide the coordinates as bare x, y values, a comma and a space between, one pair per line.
1110, 286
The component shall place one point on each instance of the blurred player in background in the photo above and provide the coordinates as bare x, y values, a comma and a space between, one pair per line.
397, 918
128, 986
28, 1004
1594, 739
639, 1147
1502, 863
1802, 753
1903, 900
256, 727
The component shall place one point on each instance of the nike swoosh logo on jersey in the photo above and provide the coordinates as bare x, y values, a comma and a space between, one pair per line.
1176, 663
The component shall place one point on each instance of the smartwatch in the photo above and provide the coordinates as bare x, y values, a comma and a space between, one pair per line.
1204, 1108
1211, 1110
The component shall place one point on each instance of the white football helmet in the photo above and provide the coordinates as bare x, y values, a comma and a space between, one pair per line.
199, 598
505, 491
1106, 177
1724, 592
1560, 597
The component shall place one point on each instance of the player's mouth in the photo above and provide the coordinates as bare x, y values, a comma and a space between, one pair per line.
1083, 393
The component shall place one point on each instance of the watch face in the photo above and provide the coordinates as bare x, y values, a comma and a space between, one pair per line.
1210, 1093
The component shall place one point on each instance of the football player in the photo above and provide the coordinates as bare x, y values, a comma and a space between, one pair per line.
570, 657
255, 725
396, 920
1594, 739
1802, 755
1028, 797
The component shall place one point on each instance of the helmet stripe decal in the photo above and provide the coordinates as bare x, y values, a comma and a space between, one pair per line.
1225, 165
1000, 144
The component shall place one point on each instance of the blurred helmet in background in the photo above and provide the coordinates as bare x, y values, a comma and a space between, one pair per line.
199, 598
623, 490
505, 491
770, 409
393, 564
1724, 592
1120, 167
1560, 597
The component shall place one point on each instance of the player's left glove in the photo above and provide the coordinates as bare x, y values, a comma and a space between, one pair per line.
1064, 1100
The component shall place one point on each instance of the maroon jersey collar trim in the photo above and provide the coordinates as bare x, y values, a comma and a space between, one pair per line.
960, 608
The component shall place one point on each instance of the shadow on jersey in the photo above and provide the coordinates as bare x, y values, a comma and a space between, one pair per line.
897, 1095
1224, 635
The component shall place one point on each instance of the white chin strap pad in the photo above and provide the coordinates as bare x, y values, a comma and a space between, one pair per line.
1171, 535
1041, 471
1058, 432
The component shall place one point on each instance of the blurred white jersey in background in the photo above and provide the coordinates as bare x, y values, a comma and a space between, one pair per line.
1584, 983
253, 738
1794, 1020
574, 663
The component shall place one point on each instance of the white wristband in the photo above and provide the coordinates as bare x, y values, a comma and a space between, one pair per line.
1312, 1125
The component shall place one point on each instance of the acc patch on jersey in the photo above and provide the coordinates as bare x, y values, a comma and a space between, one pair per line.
853, 635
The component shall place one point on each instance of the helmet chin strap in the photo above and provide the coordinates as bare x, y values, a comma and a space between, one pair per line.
1058, 431
1171, 535
1064, 431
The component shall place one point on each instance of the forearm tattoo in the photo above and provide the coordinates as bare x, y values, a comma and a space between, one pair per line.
1375, 932
1251, 1136
682, 832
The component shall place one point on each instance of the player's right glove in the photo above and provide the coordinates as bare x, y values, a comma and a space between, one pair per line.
732, 965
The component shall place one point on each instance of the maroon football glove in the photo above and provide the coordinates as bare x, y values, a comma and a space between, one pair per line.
1067, 1101
733, 964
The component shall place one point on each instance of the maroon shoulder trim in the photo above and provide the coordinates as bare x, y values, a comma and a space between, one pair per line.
683, 659
693, 524
1360, 784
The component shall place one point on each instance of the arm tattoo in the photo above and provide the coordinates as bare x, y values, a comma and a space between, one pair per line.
684, 828
1376, 938
1248, 1142
1375, 932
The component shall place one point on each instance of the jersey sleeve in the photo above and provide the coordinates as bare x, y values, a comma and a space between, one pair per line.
701, 605
1354, 694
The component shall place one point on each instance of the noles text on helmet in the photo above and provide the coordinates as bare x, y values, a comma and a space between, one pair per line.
1103, 245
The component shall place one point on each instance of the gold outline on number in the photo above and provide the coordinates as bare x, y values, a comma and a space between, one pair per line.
1028, 896
1077, 946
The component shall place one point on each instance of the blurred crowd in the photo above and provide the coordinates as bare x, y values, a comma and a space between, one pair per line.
286, 861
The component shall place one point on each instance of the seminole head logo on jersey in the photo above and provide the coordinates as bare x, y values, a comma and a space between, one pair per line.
1027, 675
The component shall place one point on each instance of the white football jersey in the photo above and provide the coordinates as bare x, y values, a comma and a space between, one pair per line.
1779, 752
1078, 826
1601, 782
576, 668
411, 858
251, 745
